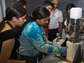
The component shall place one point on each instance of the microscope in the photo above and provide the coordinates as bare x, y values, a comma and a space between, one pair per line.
74, 39
75, 42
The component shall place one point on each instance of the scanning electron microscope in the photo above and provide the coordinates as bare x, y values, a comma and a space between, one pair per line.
75, 42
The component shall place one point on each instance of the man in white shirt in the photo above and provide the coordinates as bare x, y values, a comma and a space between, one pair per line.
56, 19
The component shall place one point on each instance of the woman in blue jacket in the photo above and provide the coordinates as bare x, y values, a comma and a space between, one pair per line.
33, 39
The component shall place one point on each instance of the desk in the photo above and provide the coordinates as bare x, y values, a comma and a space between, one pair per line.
52, 59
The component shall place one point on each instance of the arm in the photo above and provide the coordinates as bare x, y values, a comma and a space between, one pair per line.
6, 51
65, 24
82, 30
66, 30
60, 29
38, 42
60, 23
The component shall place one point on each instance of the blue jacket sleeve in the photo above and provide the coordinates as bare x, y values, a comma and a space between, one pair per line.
36, 38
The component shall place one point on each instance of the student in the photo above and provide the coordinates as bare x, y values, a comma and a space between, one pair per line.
15, 16
67, 21
49, 6
32, 41
56, 19
21, 3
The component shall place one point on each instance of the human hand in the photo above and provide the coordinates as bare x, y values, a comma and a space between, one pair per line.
49, 42
66, 30
64, 49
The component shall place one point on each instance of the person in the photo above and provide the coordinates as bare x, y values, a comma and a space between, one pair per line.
15, 16
32, 40
22, 3
55, 24
67, 21
49, 5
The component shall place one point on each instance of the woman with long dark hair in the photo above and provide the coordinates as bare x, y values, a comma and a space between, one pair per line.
15, 16
67, 21
33, 39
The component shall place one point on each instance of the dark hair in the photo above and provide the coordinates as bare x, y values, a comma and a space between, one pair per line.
13, 10
69, 6
40, 13
47, 3
18, 30
21, 3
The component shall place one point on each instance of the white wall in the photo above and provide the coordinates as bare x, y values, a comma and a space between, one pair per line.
2, 9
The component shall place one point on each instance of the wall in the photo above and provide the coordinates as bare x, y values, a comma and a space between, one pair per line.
8, 2
0, 11
64, 3
32, 4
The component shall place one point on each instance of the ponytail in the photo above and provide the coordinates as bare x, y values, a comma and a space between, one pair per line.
2, 23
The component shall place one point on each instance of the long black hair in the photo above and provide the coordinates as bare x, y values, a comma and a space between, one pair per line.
69, 6
39, 13
13, 10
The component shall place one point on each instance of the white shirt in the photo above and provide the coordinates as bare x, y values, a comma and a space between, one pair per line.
68, 26
55, 18
65, 23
